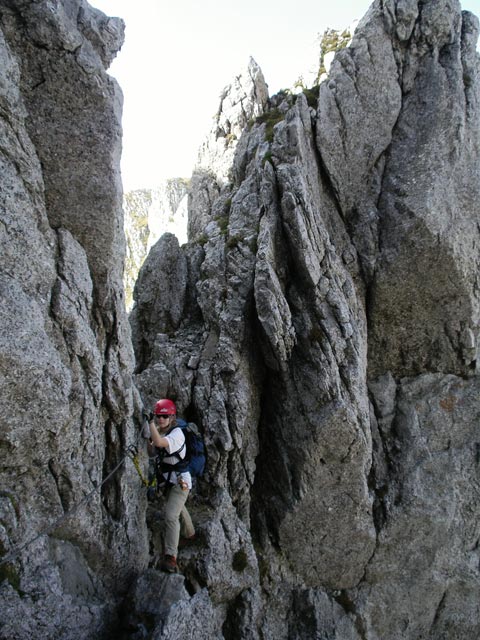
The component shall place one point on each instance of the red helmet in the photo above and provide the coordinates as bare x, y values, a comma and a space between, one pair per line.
165, 408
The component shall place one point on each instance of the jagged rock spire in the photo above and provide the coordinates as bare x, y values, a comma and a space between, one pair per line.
243, 100
240, 103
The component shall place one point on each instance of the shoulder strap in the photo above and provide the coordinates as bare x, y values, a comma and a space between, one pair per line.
163, 453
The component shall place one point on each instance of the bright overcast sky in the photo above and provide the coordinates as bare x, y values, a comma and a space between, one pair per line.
179, 54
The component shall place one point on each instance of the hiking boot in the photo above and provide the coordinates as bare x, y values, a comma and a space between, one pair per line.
183, 542
169, 564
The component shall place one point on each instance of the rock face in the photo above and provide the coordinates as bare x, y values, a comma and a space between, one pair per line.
149, 213
66, 393
322, 327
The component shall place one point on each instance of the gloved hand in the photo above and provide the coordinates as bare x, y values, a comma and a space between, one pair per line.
147, 417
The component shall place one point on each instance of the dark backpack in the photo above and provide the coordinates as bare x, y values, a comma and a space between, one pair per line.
194, 460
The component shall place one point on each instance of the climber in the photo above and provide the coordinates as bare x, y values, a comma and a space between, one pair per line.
167, 437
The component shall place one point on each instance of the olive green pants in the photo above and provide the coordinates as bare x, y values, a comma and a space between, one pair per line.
177, 519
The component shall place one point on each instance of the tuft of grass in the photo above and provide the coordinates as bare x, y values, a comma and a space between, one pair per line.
267, 158
240, 561
270, 118
331, 40
9, 572
316, 335
312, 96
222, 222
14, 503
233, 241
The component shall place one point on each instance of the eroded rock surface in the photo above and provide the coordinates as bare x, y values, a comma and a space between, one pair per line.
66, 394
322, 328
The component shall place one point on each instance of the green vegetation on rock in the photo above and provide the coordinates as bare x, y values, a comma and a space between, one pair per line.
270, 118
331, 40
312, 96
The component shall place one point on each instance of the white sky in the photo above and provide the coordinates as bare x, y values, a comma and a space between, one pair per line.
179, 54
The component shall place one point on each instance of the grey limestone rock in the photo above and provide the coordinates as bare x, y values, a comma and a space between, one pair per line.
240, 103
149, 601
320, 326
195, 619
429, 538
159, 302
66, 393
327, 345
149, 213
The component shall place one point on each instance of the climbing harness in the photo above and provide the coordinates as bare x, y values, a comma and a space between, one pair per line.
131, 452
194, 458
